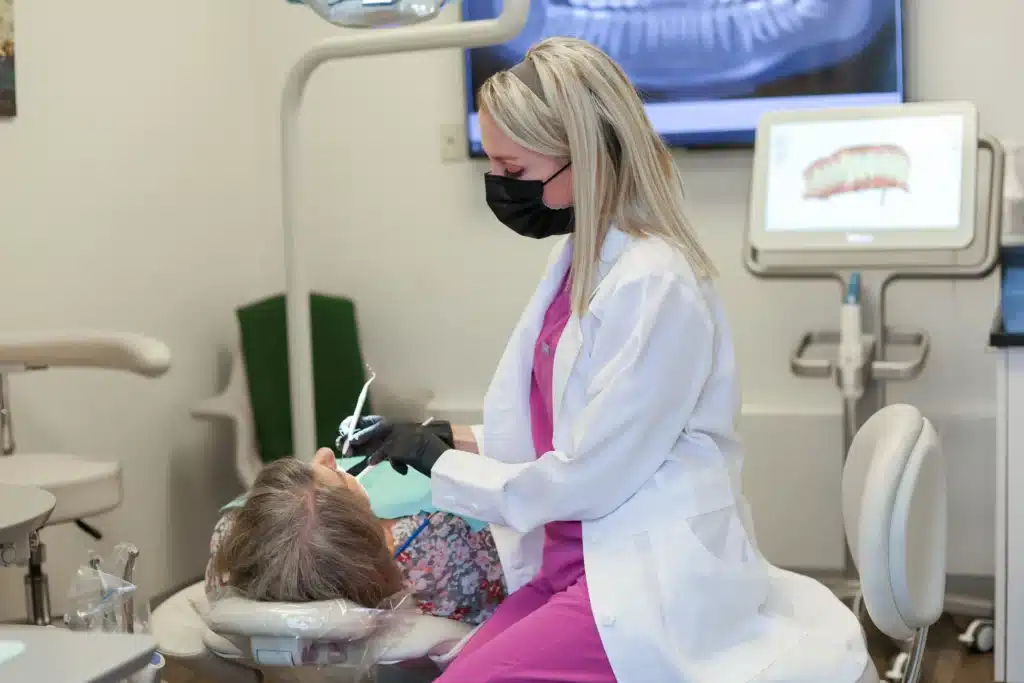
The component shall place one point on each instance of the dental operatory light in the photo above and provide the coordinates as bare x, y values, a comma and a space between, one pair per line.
376, 13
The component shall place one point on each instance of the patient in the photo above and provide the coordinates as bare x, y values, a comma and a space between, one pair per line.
306, 532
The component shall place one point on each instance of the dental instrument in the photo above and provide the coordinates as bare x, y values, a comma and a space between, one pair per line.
370, 467
834, 196
29, 653
128, 577
358, 412
412, 537
854, 347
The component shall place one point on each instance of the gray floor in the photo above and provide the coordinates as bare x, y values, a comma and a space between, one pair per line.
947, 661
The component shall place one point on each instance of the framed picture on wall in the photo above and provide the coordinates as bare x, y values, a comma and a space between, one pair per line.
8, 100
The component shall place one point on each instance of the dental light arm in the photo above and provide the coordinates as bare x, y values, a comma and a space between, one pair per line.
408, 38
85, 349
23, 511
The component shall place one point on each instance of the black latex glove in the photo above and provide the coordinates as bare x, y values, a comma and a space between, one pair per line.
412, 445
372, 431
374, 437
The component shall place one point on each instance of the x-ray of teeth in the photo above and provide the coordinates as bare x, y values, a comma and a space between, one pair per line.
858, 168
704, 48
705, 64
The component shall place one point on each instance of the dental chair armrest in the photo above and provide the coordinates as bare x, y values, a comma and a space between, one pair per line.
217, 408
232, 403
86, 349
436, 638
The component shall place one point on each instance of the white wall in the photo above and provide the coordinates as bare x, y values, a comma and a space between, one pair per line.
127, 201
138, 190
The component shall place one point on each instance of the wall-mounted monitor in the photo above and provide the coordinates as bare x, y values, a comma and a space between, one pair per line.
708, 69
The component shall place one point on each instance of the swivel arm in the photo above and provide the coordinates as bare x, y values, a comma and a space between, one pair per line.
84, 349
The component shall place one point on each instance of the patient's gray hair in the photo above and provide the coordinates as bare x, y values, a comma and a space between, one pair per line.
299, 539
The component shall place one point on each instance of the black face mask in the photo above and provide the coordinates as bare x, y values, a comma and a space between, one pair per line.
519, 204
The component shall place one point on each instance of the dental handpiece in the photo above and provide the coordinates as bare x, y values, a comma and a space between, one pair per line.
369, 468
128, 577
357, 413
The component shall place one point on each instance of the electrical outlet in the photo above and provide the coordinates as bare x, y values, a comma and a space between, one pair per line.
453, 143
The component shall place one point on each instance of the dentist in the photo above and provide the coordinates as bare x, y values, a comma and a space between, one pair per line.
608, 462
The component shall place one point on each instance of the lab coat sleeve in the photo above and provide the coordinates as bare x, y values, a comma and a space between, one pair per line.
651, 357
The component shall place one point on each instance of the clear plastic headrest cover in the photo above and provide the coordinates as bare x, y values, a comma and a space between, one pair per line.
334, 633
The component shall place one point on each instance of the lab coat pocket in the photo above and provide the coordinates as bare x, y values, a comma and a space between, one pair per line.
712, 584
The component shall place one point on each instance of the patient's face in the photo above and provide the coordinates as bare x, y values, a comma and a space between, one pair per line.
325, 468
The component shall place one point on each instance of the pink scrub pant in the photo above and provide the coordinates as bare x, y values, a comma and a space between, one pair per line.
537, 635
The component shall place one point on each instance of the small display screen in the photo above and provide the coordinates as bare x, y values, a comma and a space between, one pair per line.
902, 173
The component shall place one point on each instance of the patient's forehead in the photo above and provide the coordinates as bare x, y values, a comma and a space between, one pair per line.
335, 478
328, 476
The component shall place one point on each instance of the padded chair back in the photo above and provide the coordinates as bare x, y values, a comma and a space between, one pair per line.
894, 511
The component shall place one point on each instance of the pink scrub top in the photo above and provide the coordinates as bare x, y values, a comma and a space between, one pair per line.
563, 541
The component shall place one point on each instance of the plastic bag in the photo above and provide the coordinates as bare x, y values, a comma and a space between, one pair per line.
338, 639
104, 598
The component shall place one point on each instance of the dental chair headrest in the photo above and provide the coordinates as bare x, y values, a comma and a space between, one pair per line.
293, 634
330, 620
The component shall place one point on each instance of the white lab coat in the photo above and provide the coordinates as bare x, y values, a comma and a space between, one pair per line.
647, 457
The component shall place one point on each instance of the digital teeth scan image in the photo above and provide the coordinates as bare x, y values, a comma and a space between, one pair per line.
709, 68
858, 168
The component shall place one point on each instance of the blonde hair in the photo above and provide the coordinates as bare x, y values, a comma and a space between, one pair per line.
590, 114
297, 539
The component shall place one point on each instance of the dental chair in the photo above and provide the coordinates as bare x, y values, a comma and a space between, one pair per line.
894, 514
237, 641
83, 487
234, 640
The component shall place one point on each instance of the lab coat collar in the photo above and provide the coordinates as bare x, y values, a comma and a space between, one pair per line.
569, 346
615, 242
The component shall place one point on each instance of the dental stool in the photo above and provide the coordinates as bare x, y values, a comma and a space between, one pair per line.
83, 487
240, 641
894, 513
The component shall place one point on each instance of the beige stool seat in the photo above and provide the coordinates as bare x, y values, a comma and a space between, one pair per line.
82, 487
